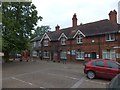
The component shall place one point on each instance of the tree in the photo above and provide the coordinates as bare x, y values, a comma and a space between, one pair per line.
39, 31
18, 19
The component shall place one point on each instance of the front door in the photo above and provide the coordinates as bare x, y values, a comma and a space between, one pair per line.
93, 55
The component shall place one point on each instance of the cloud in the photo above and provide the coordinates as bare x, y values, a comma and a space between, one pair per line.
60, 11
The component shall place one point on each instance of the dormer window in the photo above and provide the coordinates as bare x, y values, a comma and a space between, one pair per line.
79, 39
110, 37
63, 41
45, 42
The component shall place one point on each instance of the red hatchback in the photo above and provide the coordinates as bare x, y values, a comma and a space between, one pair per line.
102, 68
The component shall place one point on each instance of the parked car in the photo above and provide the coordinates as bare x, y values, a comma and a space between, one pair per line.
115, 83
102, 68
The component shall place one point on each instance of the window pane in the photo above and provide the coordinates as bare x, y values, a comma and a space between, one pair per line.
63, 41
111, 65
79, 54
100, 63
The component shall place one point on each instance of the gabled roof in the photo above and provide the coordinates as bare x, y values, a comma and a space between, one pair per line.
56, 34
62, 35
99, 27
90, 29
44, 36
36, 39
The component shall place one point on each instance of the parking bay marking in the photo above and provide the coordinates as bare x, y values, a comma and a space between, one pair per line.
76, 85
25, 82
21, 81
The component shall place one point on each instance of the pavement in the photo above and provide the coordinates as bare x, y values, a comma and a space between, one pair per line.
47, 74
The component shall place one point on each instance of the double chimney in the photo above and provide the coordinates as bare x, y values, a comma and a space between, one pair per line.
113, 16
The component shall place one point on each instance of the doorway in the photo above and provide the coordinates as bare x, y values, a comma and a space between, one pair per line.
93, 55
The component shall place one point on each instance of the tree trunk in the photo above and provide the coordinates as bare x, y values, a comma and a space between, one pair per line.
6, 56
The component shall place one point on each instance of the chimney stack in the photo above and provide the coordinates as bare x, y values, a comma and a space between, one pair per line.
113, 16
74, 21
57, 28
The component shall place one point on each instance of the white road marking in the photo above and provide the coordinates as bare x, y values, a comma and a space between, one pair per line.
78, 83
26, 82
63, 76
71, 77
21, 81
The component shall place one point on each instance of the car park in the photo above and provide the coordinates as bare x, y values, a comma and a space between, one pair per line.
102, 68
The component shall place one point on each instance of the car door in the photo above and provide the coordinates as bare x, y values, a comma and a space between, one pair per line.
112, 69
99, 68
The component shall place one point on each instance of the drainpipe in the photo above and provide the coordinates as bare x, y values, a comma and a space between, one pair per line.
99, 45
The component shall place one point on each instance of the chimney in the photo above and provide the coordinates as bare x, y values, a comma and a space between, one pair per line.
74, 21
113, 16
57, 28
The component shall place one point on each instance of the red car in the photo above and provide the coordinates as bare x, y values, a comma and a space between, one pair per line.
102, 68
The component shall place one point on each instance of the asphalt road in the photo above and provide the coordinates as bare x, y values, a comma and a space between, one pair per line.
43, 74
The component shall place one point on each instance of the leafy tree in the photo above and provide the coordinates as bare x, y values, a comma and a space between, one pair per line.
39, 31
18, 19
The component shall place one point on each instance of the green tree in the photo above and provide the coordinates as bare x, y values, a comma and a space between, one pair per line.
39, 31
18, 19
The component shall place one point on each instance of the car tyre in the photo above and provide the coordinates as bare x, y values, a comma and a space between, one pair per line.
90, 74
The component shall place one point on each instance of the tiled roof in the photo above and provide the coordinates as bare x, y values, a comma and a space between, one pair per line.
36, 39
56, 34
89, 29
98, 28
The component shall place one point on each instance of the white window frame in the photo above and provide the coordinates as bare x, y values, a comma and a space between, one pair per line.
110, 37
79, 55
45, 42
63, 55
79, 39
46, 54
63, 41
111, 54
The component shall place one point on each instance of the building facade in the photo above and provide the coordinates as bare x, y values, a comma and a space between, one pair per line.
100, 39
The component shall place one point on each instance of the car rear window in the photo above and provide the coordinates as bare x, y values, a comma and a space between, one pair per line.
112, 65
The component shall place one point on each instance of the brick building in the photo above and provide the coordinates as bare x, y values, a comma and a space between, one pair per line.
100, 39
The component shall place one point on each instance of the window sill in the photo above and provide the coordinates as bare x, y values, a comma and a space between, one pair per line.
79, 58
46, 57
63, 58
80, 43
63, 44
110, 40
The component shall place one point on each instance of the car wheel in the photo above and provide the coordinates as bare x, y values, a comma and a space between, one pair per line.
90, 74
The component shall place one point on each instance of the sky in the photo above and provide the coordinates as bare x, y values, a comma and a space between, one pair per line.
61, 11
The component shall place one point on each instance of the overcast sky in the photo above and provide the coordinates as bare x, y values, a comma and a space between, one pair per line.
61, 11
